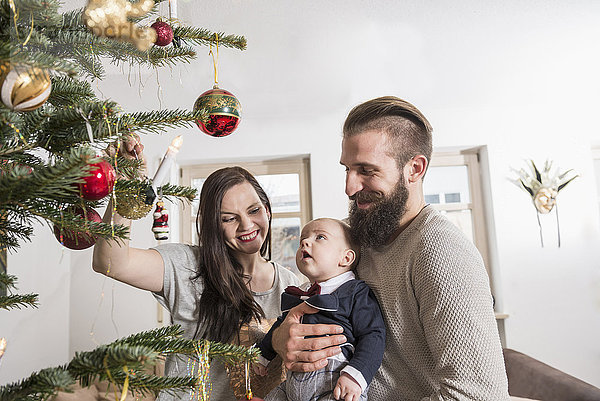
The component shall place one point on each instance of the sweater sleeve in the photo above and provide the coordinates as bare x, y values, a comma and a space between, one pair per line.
368, 328
455, 308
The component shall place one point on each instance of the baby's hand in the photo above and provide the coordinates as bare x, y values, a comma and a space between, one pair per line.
347, 388
259, 369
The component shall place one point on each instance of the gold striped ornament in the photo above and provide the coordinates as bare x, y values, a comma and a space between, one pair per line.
24, 88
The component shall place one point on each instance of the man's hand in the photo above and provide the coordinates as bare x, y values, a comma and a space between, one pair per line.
347, 388
302, 354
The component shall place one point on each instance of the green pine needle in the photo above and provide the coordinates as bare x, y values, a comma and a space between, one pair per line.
205, 37
17, 301
7, 281
38, 386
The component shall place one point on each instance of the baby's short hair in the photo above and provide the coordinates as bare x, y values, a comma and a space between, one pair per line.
351, 243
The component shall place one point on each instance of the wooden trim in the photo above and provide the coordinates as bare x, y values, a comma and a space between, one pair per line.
293, 165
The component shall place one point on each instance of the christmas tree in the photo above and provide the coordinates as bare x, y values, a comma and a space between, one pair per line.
53, 166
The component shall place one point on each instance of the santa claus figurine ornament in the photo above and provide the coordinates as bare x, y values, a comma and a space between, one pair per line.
160, 227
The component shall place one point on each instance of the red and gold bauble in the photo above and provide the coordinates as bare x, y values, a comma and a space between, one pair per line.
99, 183
24, 88
164, 33
224, 112
79, 240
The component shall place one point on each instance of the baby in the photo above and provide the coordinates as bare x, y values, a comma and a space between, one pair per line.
326, 256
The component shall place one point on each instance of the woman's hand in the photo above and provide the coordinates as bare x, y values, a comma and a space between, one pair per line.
131, 148
347, 388
302, 354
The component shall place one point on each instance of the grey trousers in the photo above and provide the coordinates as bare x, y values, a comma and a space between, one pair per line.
311, 386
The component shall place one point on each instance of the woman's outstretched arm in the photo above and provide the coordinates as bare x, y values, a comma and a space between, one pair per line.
141, 268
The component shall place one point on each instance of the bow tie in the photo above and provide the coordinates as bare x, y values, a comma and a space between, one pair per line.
314, 289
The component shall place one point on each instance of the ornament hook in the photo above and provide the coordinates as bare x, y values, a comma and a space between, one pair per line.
215, 60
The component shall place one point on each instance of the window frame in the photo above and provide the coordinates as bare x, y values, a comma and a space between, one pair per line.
470, 159
289, 165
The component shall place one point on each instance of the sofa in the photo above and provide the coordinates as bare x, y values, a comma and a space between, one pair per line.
531, 379
528, 379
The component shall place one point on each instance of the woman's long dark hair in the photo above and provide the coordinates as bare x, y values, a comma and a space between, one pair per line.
226, 302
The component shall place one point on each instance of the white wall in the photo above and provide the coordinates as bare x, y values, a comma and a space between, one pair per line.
519, 77
37, 338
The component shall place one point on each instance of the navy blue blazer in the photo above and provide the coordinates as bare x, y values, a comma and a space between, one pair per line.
352, 306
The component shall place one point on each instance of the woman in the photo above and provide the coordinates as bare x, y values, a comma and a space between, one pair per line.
225, 289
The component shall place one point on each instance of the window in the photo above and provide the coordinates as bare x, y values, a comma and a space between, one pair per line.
453, 186
286, 182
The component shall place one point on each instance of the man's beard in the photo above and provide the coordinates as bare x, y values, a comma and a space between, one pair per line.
375, 226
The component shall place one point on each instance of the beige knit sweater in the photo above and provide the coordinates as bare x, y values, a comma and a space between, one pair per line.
442, 339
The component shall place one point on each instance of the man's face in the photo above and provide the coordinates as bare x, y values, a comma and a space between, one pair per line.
371, 171
375, 186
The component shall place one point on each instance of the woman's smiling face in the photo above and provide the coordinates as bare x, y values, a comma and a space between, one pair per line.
244, 219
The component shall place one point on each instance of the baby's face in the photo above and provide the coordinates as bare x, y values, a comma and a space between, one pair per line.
322, 249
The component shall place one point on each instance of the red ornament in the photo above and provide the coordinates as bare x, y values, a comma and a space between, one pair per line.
78, 240
224, 112
164, 33
100, 181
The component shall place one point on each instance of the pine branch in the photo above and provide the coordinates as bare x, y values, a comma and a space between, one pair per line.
70, 92
188, 193
12, 53
170, 56
11, 233
158, 121
55, 182
64, 128
7, 281
164, 340
143, 383
17, 301
130, 168
89, 366
43, 12
71, 224
38, 386
205, 37
233, 354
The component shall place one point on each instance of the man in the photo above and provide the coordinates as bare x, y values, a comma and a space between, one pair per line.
442, 340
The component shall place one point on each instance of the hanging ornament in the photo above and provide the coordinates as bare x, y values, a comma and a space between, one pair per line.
202, 348
111, 19
99, 183
224, 110
24, 88
135, 205
78, 240
164, 33
543, 187
160, 226
248, 388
